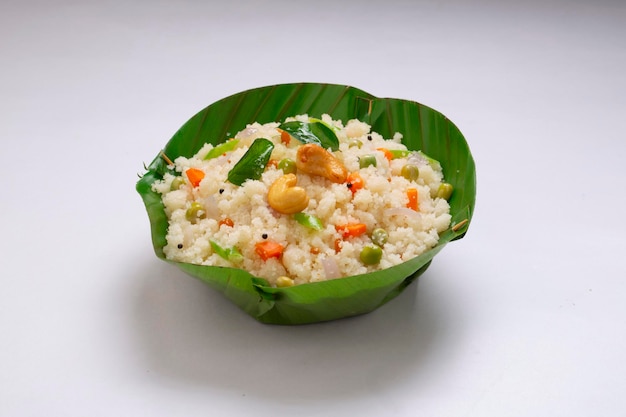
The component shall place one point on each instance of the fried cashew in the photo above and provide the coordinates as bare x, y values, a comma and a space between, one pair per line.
285, 197
315, 160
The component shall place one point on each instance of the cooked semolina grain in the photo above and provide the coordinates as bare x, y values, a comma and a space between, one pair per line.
221, 223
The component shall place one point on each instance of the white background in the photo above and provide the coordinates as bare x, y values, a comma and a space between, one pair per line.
525, 316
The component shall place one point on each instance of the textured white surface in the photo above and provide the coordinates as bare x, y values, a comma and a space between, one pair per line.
525, 316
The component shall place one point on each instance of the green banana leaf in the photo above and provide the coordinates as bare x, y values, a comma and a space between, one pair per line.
423, 128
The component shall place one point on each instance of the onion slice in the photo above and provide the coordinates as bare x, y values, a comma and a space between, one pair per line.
331, 269
402, 211
247, 132
210, 206
417, 159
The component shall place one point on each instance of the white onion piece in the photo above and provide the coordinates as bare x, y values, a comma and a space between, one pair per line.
417, 159
402, 211
331, 269
222, 159
247, 132
187, 237
210, 207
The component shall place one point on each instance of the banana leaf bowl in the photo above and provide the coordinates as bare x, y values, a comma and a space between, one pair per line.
423, 128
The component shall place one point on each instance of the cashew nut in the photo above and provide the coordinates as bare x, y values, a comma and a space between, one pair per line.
315, 160
285, 197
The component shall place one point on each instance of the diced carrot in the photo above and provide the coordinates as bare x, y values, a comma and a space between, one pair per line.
195, 176
272, 163
269, 249
226, 221
285, 137
351, 229
354, 182
411, 193
338, 245
387, 153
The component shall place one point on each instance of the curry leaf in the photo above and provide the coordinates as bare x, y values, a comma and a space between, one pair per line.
314, 131
252, 163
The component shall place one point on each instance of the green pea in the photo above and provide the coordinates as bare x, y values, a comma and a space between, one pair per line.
380, 236
355, 142
287, 165
367, 160
371, 255
445, 191
410, 172
177, 183
194, 212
